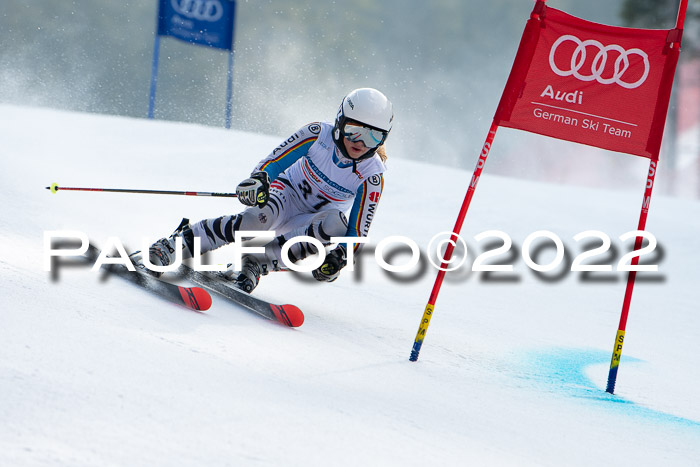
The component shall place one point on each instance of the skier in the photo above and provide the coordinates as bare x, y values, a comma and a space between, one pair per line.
304, 187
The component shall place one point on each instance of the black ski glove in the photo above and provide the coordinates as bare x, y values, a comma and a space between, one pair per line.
254, 190
336, 260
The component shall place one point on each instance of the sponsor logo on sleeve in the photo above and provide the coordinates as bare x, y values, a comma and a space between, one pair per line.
291, 139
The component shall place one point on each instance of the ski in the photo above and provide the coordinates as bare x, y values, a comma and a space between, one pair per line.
289, 315
194, 298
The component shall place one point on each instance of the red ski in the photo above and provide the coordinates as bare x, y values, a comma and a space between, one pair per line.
289, 315
194, 298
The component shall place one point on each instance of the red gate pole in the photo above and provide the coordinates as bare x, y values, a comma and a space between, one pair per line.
620, 336
675, 41
523, 59
428, 313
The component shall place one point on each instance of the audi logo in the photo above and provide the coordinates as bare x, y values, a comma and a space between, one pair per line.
578, 58
204, 10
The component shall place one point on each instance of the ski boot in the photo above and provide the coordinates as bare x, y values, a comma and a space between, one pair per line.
162, 252
248, 277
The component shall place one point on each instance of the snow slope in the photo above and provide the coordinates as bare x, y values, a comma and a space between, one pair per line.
512, 372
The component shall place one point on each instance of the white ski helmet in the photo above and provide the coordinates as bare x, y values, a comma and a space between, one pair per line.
368, 107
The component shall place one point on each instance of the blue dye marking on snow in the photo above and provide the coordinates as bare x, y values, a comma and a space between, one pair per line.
563, 371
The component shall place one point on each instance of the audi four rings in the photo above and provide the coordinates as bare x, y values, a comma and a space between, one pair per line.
203, 10
578, 58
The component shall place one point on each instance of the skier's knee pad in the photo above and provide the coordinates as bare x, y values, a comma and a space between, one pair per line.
255, 218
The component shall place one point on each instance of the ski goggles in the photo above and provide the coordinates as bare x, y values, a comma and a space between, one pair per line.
371, 138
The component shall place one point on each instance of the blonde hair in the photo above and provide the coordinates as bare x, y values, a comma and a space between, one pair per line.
381, 152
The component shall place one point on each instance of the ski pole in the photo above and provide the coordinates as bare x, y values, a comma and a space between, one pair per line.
55, 188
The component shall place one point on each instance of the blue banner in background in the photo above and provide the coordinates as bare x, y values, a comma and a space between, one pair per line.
203, 22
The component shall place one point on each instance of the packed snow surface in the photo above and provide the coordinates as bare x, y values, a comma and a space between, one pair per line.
96, 371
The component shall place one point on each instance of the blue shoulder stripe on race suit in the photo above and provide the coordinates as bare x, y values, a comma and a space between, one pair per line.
355, 213
279, 164
365, 207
